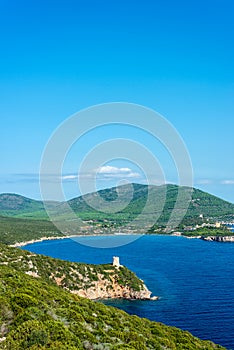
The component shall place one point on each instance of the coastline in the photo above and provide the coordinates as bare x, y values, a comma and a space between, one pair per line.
42, 239
51, 238
229, 239
221, 239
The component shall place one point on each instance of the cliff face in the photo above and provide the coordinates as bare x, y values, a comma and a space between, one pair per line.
109, 282
219, 238
111, 288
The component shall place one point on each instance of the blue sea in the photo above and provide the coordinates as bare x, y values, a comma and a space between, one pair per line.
193, 278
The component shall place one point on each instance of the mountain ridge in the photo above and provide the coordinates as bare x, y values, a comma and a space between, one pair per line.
25, 219
14, 202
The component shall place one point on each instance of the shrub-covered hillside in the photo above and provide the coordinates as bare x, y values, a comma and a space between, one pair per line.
38, 316
92, 281
13, 230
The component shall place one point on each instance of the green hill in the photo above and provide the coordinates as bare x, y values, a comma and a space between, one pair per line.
13, 230
202, 203
12, 204
25, 219
36, 314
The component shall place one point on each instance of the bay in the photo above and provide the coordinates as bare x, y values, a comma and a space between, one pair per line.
193, 278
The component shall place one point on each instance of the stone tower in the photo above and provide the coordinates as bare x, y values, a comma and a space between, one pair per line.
116, 261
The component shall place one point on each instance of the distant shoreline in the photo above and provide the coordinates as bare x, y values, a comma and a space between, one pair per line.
22, 244
52, 238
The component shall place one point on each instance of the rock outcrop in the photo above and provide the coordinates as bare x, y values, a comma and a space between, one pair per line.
112, 289
219, 238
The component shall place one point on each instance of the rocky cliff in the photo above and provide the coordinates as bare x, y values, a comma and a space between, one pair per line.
219, 238
106, 288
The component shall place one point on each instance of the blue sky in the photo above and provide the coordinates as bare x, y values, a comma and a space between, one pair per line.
58, 57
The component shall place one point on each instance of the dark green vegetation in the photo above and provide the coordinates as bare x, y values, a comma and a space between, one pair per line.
19, 206
38, 315
202, 203
14, 230
209, 231
71, 276
24, 219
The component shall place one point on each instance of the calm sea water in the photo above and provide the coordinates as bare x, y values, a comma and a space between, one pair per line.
194, 279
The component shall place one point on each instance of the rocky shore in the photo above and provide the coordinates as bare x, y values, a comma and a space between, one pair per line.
218, 238
32, 241
111, 289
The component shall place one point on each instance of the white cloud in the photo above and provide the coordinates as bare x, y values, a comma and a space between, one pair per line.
227, 182
69, 177
104, 173
115, 172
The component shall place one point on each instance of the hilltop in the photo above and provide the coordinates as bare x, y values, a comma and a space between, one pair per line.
12, 204
202, 203
15, 205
